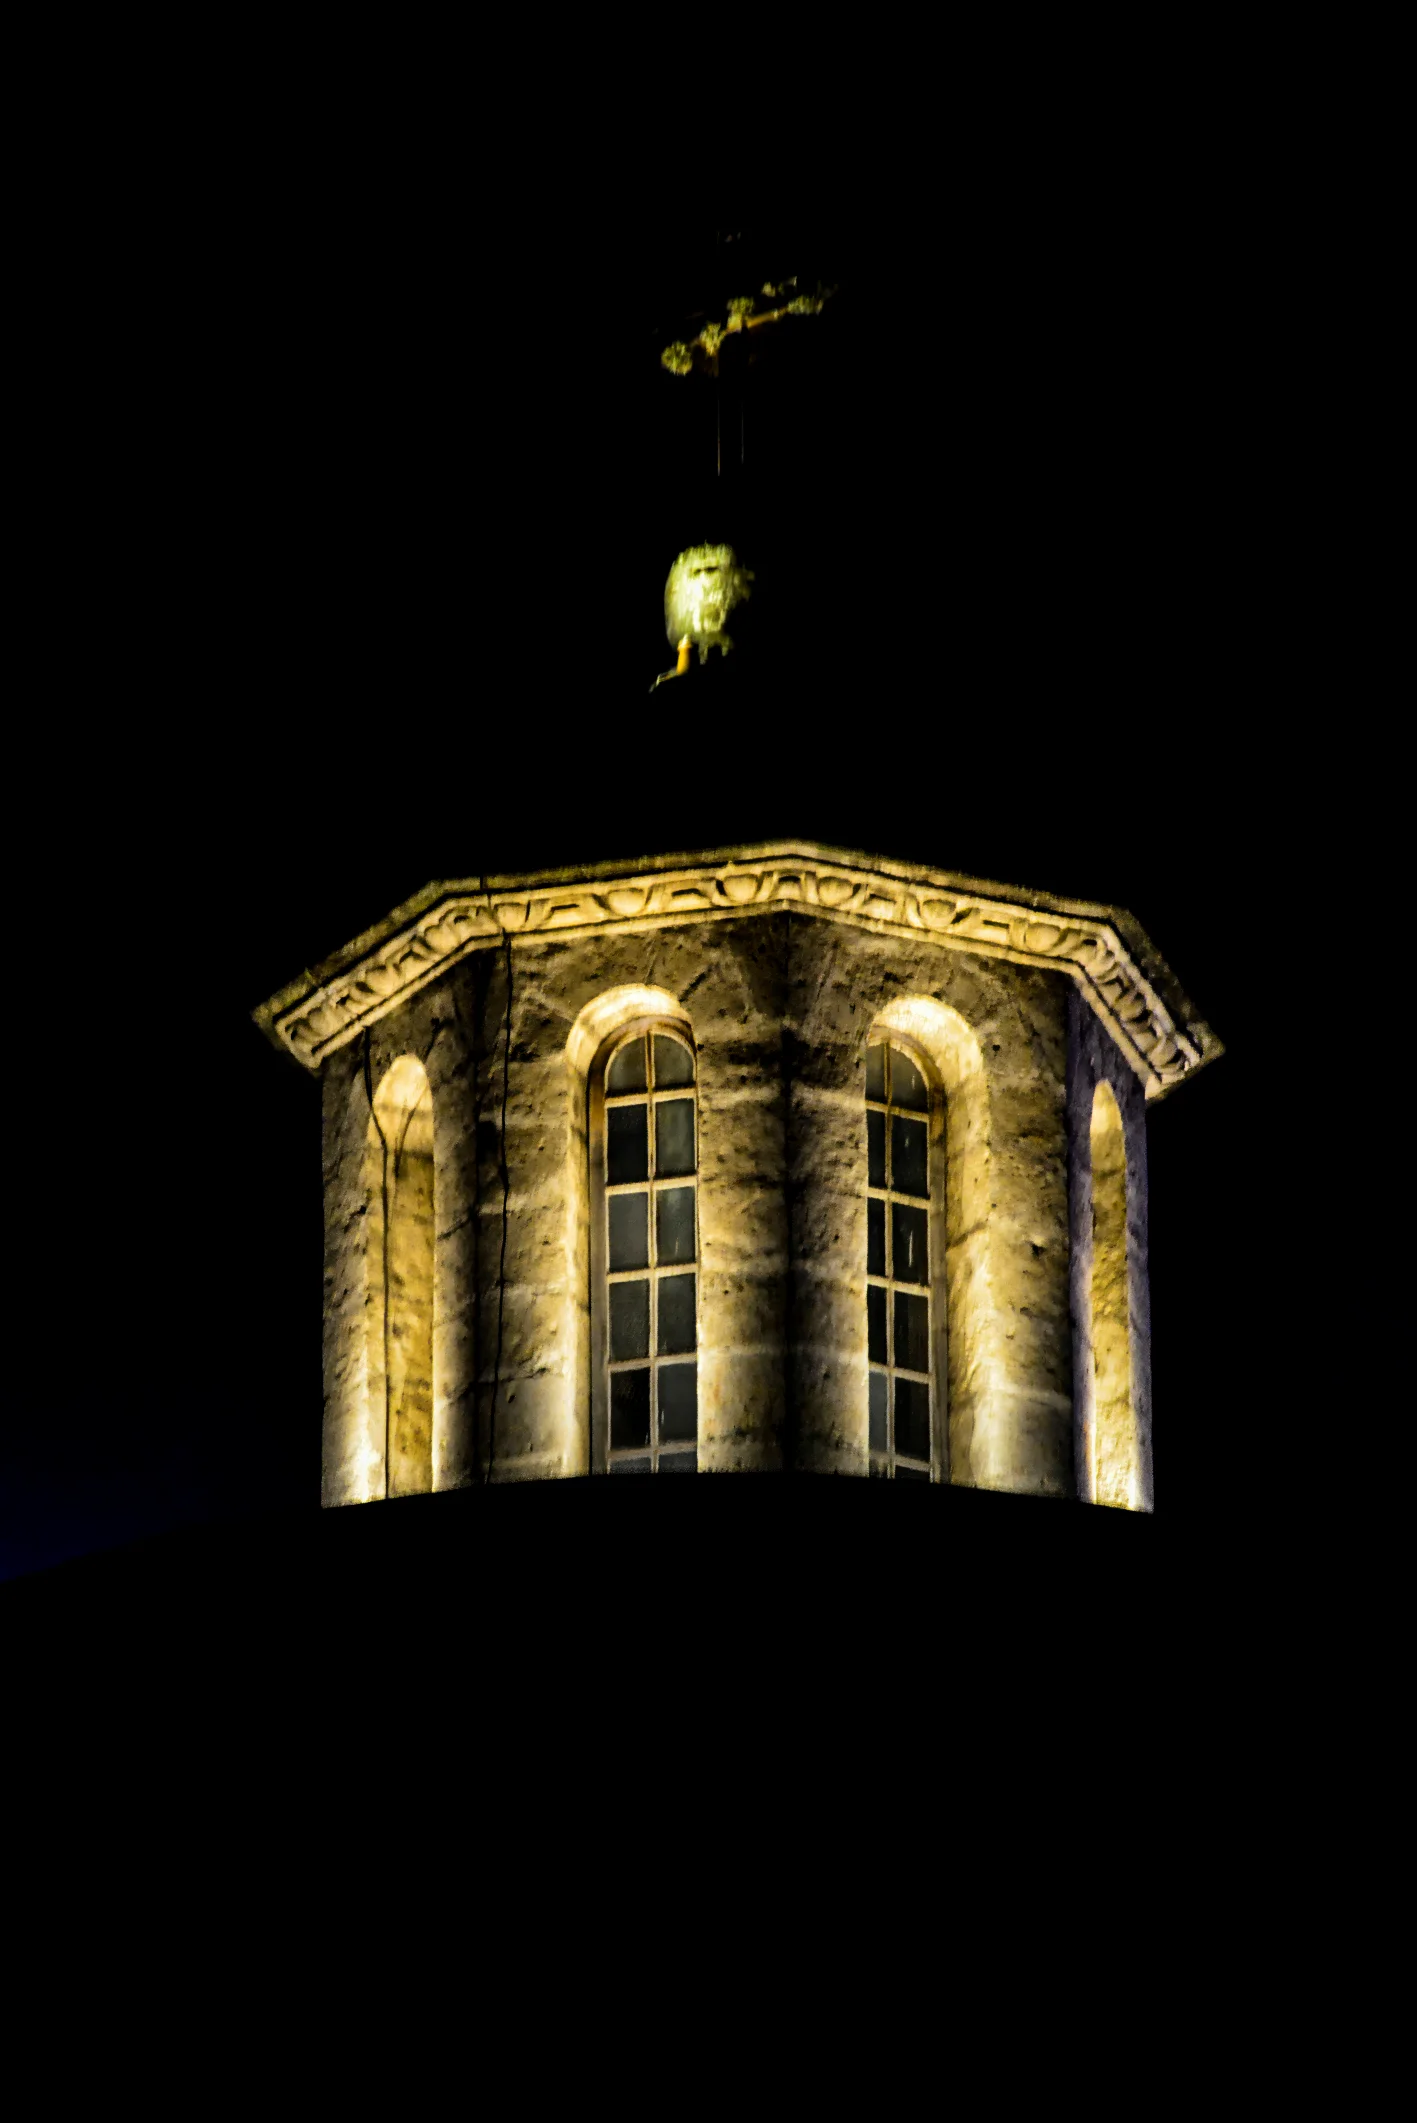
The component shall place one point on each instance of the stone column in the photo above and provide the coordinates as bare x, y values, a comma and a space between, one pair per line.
828, 1022
529, 1351
1092, 1059
736, 1007
1026, 1444
352, 1442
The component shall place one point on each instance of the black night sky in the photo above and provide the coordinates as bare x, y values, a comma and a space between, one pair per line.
384, 506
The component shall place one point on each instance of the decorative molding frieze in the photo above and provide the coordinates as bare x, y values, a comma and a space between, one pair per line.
1160, 1039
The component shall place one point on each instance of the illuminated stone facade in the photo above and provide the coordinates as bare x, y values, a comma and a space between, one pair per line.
1041, 1026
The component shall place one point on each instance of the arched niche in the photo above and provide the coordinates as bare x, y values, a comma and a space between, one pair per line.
952, 1051
1112, 1448
399, 1265
598, 1025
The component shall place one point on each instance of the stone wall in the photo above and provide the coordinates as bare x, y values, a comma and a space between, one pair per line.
782, 1007
1093, 1059
728, 979
997, 1042
432, 1030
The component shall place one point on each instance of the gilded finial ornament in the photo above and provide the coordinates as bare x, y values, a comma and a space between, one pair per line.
682, 356
706, 584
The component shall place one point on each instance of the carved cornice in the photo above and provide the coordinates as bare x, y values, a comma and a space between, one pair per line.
1122, 977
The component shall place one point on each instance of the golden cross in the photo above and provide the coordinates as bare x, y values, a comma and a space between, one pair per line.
682, 357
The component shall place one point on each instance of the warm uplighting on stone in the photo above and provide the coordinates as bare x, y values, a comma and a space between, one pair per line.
739, 1248
1111, 1444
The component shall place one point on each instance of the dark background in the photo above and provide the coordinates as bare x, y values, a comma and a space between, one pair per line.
374, 510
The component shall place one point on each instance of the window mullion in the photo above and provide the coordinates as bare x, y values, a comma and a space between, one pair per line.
654, 1273
916, 1288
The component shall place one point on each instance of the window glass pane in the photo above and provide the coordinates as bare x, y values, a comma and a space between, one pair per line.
912, 1419
878, 1411
876, 1073
674, 1137
629, 1321
912, 1332
678, 1402
629, 1231
630, 1466
908, 1474
629, 1409
909, 1245
678, 1463
876, 1149
627, 1070
676, 1314
673, 1064
909, 1155
876, 1323
674, 1225
875, 1238
627, 1145
907, 1084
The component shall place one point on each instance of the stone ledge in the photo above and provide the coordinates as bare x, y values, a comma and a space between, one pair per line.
1124, 979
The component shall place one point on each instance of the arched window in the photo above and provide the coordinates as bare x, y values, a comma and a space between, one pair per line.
1113, 1455
644, 1253
399, 1262
899, 1294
